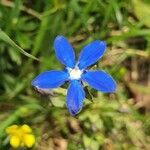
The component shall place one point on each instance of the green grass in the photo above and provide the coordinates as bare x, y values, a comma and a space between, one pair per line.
27, 31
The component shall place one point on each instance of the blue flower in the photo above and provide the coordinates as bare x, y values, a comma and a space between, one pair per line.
76, 73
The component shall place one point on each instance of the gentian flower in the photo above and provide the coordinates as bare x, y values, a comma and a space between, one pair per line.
76, 73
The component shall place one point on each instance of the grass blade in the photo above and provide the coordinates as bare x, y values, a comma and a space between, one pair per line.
7, 39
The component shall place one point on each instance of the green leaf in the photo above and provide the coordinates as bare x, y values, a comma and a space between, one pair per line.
6, 38
142, 11
58, 101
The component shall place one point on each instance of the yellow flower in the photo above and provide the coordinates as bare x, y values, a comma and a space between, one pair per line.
20, 136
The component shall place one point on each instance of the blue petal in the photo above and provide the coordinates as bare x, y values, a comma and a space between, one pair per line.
91, 53
50, 79
100, 80
64, 51
75, 97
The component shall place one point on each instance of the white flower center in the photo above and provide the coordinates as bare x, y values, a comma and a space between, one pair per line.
75, 73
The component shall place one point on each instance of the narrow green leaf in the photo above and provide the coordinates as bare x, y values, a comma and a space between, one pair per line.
6, 38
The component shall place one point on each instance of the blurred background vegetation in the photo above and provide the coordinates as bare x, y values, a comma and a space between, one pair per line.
117, 121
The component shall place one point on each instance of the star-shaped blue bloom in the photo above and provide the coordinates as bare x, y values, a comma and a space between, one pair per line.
76, 73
